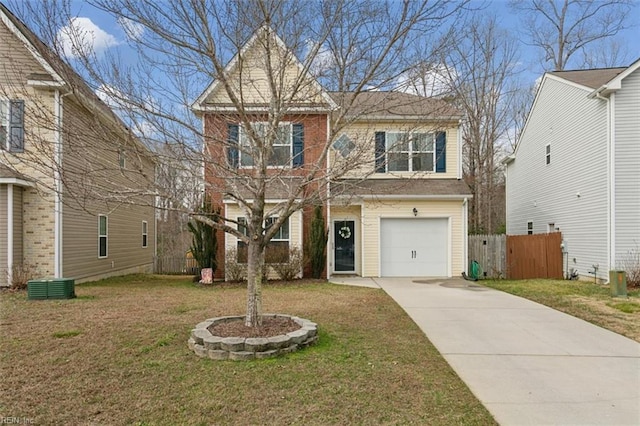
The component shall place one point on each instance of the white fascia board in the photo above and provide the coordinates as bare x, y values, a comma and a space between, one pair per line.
17, 182
46, 84
38, 57
407, 197
261, 109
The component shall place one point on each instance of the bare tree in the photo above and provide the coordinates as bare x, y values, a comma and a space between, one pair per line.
565, 29
182, 46
482, 70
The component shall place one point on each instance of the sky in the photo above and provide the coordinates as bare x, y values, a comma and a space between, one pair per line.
109, 33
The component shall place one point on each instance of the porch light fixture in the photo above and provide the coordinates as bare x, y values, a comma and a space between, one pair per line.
415, 211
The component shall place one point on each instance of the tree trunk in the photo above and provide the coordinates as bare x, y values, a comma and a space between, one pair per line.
255, 262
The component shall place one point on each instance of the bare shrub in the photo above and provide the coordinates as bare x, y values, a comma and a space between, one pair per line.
630, 264
287, 263
21, 273
235, 271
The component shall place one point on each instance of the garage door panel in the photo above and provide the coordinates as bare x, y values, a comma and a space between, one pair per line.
414, 247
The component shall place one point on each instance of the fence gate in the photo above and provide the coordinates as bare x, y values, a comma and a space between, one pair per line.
534, 256
490, 252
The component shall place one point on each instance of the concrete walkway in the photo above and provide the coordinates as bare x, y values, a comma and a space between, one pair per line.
528, 364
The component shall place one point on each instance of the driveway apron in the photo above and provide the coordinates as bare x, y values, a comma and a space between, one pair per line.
527, 363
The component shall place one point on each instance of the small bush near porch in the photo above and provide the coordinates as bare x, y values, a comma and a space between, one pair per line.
118, 355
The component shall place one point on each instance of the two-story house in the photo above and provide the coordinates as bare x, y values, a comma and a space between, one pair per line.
390, 182
69, 171
577, 167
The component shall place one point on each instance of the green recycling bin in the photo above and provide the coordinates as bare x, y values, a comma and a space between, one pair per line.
58, 288
618, 283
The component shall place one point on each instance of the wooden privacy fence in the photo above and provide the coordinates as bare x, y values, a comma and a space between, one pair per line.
534, 256
175, 265
518, 256
490, 251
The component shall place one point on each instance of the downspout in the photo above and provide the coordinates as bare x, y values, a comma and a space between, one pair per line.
57, 202
10, 234
465, 233
459, 141
611, 212
329, 239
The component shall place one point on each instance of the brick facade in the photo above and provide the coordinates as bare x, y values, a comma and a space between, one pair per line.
216, 128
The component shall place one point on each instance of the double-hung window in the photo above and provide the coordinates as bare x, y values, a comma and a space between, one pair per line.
277, 247
103, 229
282, 148
145, 234
12, 125
410, 152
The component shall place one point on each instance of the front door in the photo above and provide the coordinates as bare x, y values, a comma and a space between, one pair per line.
344, 246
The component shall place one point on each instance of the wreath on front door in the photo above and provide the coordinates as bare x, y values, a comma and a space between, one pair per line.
345, 232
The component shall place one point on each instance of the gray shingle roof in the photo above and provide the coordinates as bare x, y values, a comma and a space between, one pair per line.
593, 78
394, 104
402, 187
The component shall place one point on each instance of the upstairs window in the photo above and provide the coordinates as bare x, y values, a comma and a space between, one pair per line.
548, 153
12, 125
287, 149
410, 152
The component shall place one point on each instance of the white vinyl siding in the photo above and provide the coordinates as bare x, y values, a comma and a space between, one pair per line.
576, 126
627, 167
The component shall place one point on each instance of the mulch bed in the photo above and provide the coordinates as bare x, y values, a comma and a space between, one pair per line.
270, 327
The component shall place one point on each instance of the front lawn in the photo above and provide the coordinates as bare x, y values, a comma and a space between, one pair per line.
582, 299
118, 354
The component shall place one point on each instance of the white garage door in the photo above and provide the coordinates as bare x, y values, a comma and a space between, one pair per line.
414, 247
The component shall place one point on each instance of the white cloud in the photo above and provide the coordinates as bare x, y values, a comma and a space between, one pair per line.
428, 81
133, 30
82, 36
322, 61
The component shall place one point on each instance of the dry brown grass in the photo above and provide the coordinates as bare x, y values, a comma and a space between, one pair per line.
118, 355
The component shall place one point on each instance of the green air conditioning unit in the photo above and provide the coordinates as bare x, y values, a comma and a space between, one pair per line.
58, 288
618, 282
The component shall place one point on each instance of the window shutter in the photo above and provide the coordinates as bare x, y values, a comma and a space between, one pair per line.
298, 145
441, 152
380, 150
232, 149
16, 125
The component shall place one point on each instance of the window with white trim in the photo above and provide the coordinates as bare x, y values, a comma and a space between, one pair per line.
12, 125
410, 152
145, 234
548, 153
282, 149
103, 232
529, 228
277, 247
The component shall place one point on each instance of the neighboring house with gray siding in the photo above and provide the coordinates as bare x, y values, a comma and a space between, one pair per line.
64, 156
577, 167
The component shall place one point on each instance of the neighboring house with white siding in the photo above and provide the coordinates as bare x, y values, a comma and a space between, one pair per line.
401, 212
63, 156
577, 167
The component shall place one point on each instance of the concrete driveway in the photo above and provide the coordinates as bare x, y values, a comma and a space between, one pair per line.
527, 363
